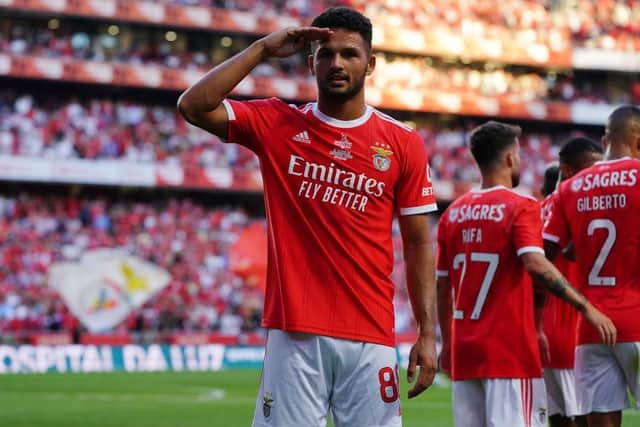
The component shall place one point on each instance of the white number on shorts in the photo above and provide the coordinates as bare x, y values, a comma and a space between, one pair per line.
388, 379
594, 275
492, 260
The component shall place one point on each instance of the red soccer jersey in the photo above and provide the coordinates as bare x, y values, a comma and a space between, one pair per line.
559, 319
331, 188
480, 239
598, 210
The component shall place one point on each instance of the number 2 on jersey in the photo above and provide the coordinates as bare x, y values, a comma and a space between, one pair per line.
493, 260
594, 275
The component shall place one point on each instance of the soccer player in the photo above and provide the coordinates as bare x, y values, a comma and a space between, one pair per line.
559, 320
335, 172
490, 243
597, 210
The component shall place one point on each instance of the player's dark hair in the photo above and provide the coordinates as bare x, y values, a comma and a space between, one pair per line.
490, 140
347, 19
550, 179
623, 123
574, 149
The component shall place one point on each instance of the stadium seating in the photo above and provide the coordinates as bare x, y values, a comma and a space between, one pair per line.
534, 62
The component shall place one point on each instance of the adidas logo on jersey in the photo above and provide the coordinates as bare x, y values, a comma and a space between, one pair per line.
302, 137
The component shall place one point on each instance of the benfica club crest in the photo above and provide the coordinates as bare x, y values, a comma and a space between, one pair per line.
267, 400
381, 160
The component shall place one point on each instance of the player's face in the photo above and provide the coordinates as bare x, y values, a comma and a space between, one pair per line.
341, 65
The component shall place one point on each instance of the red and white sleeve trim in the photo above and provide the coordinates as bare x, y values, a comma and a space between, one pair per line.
530, 249
551, 237
442, 273
231, 115
419, 209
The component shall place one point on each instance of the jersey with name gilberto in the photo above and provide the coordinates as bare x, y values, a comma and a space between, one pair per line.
598, 209
559, 319
331, 189
480, 239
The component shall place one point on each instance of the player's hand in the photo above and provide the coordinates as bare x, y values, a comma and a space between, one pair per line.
602, 323
545, 352
423, 354
286, 42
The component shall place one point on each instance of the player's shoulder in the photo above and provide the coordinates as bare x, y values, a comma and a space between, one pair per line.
391, 124
506, 195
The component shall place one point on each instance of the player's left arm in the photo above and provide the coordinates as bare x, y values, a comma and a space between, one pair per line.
420, 270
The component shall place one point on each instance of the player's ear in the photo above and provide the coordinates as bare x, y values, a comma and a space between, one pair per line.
310, 62
509, 159
371, 65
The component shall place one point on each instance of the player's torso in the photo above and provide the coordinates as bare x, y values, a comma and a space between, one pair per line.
493, 303
330, 192
602, 204
342, 169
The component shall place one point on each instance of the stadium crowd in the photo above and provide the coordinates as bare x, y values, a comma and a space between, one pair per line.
191, 241
104, 129
603, 24
80, 40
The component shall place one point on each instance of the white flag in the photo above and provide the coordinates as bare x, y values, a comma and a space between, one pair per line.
106, 285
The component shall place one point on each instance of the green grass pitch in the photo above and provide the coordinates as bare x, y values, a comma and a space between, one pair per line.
205, 399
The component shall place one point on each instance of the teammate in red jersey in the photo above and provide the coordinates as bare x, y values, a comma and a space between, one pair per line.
597, 210
490, 243
559, 320
335, 172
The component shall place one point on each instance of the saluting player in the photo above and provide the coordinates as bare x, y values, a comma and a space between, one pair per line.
335, 172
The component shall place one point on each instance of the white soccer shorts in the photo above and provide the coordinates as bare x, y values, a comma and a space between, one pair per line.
561, 392
305, 377
498, 402
603, 375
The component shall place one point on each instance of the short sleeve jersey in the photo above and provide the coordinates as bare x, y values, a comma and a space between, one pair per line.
331, 189
480, 239
559, 319
598, 209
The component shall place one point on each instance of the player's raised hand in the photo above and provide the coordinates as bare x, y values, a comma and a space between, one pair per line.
602, 323
288, 41
423, 354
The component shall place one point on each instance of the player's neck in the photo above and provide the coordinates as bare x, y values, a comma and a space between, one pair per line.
615, 152
351, 109
496, 179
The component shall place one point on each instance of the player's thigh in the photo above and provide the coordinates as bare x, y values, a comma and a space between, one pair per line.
600, 381
366, 391
628, 355
294, 388
561, 392
517, 402
469, 403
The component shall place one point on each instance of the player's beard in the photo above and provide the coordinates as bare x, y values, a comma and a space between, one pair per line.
341, 95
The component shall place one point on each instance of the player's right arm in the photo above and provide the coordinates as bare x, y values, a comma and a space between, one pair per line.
201, 104
545, 274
